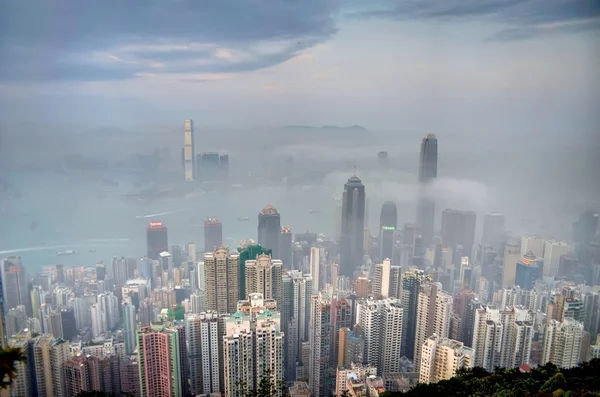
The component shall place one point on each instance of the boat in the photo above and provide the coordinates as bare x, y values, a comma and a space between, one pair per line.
67, 252
314, 211
243, 219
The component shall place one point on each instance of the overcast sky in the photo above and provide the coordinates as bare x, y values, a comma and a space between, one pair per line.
424, 64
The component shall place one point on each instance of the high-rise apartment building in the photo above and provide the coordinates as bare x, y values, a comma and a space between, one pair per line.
342, 317
434, 312
263, 275
159, 361
502, 338
76, 376
156, 240
204, 335
315, 269
320, 340
129, 327
269, 230
353, 226
458, 228
553, 250
428, 164
388, 222
221, 274
49, 357
189, 150
441, 358
252, 345
295, 318
493, 230
248, 251
351, 347
562, 343
380, 323
213, 234
382, 279
23, 385
411, 282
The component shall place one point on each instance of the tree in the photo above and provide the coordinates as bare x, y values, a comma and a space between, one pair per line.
8, 358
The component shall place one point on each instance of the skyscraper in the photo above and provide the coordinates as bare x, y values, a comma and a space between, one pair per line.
248, 251
213, 234
129, 327
493, 230
221, 274
512, 254
458, 228
427, 172
320, 340
441, 358
269, 229
49, 357
411, 282
16, 289
434, 311
562, 343
387, 231
285, 249
553, 250
203, 339
263, 275
189, 151
156, 238
353, 226
159, 361
382, 279
381, 325
529, 270
535, 244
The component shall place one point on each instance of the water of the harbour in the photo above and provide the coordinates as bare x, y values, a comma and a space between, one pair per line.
52, 213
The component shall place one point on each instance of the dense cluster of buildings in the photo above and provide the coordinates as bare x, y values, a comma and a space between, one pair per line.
359, 314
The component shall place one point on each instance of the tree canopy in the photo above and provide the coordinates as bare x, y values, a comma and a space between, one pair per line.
544, 381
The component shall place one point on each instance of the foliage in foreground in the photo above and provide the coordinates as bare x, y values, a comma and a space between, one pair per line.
9, 356
544, 381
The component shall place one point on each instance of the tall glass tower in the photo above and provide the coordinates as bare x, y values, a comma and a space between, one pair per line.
387, 231
427, 172
269, 229
353, 226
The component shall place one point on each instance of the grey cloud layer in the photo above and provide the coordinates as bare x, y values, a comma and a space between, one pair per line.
530, 18
54, 39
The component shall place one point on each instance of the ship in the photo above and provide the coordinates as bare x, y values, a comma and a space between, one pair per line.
243, 219
314, 211
67, 252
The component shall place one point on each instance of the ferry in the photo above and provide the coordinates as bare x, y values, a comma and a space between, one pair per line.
243, 219
313, 211
67, 252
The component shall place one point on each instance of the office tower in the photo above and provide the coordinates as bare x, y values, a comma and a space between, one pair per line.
351, 347
411, 282
252, 345
458, 228
353, 226
395, 290
529, 270
441, 358
562, 343
159, 361
464, 305
68, 323
427, 173
315, 269
119, 271
224, 166
16, 290
388, 221
434, 311
189, 151
493, 230
553, 250
380, 323
502, 338
295, 318
221, 276
248, 251
591, 308
129, 327
285, 249
337, 221
382, 279
512, 254
213, 234
49, 356
534, 244
166, 266
269, 230
156, 238
263, 275
320, 340
202, 332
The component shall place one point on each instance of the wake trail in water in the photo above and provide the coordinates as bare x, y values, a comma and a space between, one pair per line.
94, 243
158, 214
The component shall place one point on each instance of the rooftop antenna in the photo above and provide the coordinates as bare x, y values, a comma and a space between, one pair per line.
354, 166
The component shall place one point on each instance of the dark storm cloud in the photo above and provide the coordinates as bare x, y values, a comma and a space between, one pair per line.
69, 39
530, 18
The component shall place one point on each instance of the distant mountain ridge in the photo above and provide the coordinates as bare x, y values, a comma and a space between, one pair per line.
352, 128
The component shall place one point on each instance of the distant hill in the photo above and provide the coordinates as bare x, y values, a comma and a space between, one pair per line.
326, 128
